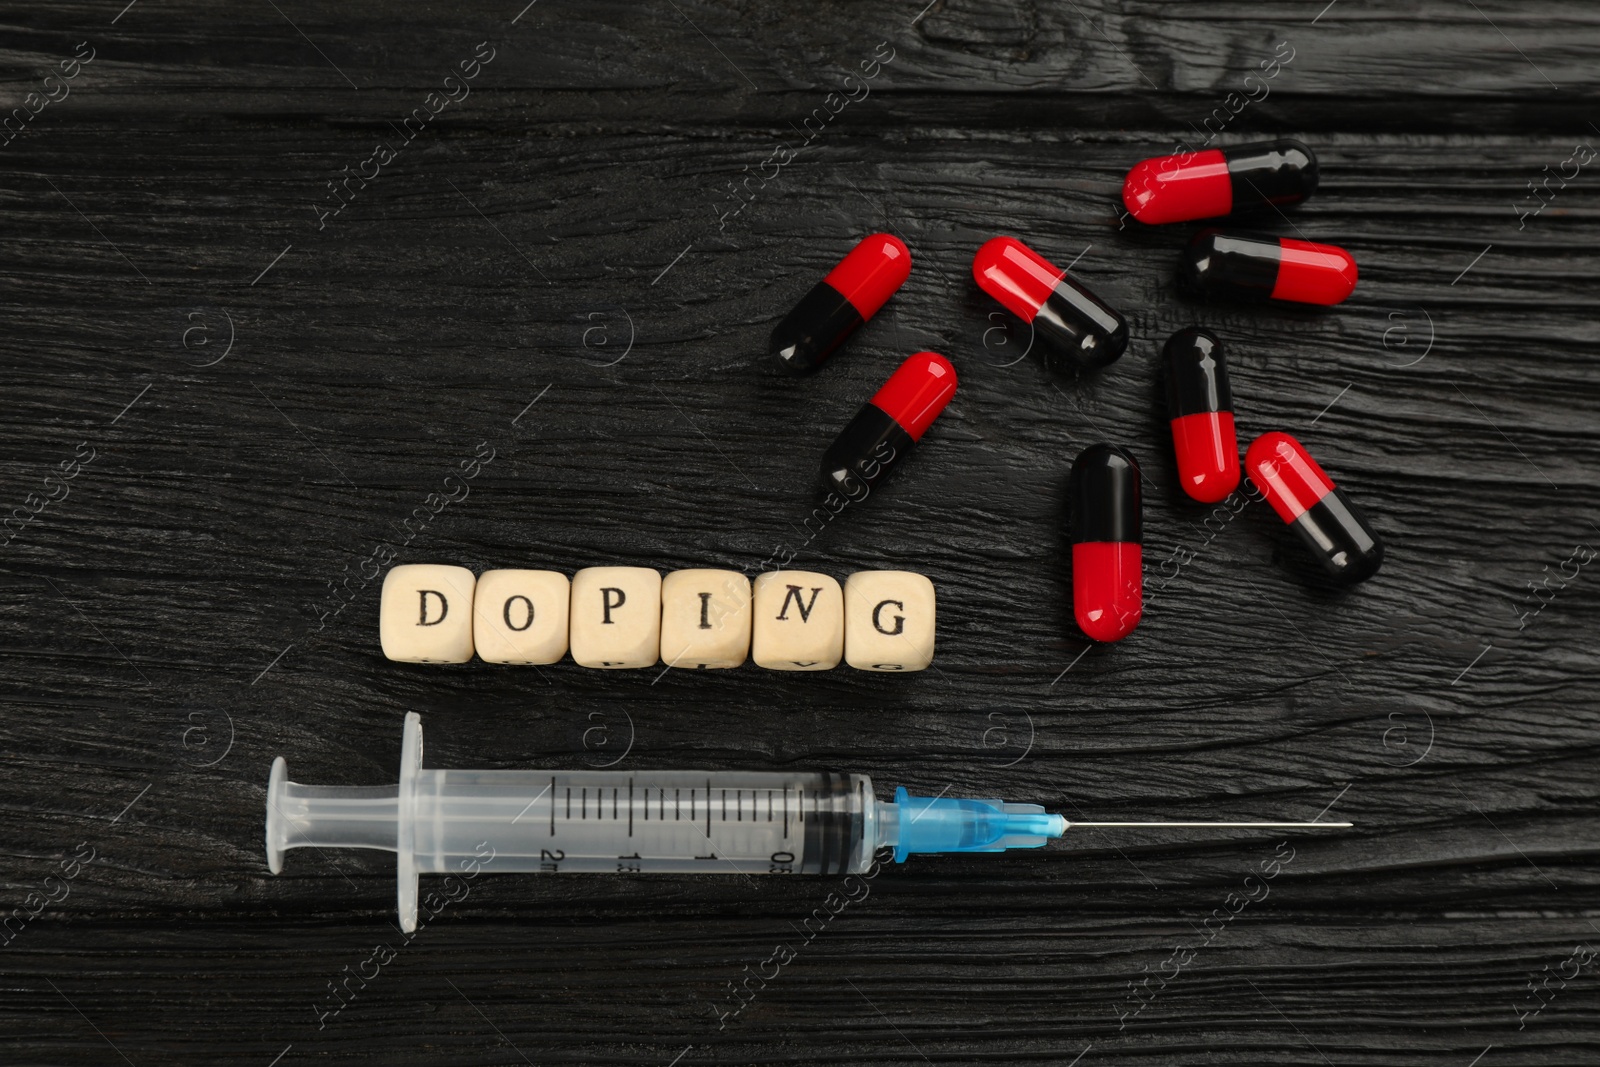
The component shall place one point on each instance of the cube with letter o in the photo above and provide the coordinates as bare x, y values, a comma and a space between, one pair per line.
521, 616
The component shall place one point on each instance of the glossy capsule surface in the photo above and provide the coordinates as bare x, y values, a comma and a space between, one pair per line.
840, 303
1073, 320
1200, 405
1219, 181
1328, 521
888, 425
1105, 515
1260, 266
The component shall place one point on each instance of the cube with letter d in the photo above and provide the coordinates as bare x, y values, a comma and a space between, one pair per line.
425, 613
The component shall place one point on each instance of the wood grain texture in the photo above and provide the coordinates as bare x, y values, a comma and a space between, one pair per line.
198, 602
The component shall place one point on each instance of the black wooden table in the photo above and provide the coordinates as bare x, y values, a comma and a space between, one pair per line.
244, 344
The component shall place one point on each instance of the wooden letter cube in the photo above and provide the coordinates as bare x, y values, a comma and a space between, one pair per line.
799, 621
616, 617
888, 621
521, 616
705, 619
425, 614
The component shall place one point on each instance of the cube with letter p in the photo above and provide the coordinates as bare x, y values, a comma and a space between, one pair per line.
616, 617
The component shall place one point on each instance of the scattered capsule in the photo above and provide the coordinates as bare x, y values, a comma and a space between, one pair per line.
1200, 405
835, 308
1327, 520
1107, 542
1219, 181
1259, 266
886, 427
1072, 318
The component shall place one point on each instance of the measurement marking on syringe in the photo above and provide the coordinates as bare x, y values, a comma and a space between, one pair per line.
677, 812
785, 811
553, 804
630, 807
708, 807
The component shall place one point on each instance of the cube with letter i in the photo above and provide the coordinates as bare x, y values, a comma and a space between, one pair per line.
705, 619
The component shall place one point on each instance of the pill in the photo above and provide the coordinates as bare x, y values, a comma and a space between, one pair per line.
888, 425
1107, 536
1219, 181
1327, 520
848, 296
1070, 317
1200, 405
1259, 266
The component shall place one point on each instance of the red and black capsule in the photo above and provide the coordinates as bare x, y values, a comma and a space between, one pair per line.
1259, 266
1107, 542
1220, 181
835, 308
1200, 405
1073, 319
1327, 520
886, 427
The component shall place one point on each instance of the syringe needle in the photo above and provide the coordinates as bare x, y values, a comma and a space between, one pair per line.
1233, 825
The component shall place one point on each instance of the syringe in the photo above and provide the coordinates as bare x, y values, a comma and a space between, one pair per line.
698, 822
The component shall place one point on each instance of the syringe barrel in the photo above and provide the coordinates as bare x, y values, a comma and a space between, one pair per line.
606, 821
623, 822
